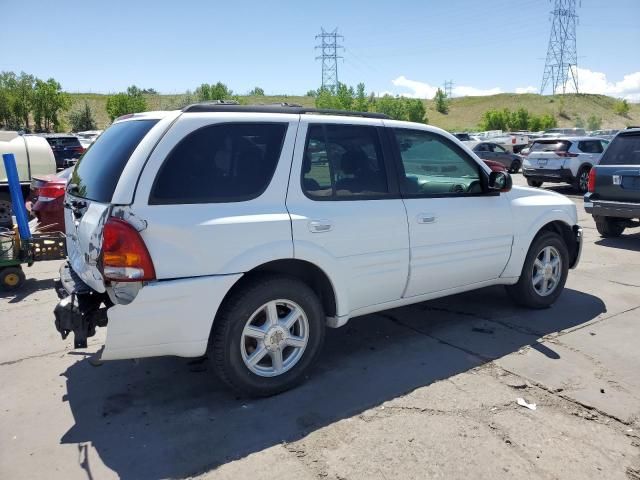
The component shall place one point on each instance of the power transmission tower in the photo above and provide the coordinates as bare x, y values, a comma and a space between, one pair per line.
448, 87
329, 55
562, 56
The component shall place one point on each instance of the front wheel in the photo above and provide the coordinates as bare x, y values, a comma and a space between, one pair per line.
534, 183
609, 227
267, 335
544, 272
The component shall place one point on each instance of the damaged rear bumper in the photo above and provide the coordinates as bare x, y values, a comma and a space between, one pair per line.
80, 309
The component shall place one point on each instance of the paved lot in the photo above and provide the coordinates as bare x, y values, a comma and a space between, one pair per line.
427, 391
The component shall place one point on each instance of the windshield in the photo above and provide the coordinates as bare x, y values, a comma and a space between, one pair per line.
624, 150
97, 173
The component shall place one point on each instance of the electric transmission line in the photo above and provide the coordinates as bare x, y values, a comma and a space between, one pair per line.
329, 55
562, 55
448, 87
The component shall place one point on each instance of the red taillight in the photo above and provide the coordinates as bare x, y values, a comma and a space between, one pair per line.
125, 257
47, 193
591, 186
513, 140
566, 154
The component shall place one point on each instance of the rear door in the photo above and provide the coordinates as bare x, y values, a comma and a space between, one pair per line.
618, 173
346, 213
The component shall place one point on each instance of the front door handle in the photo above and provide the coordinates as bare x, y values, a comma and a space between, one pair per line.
320, 226
426, 218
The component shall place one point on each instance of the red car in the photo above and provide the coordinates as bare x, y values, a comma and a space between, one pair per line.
495, 166
46, 200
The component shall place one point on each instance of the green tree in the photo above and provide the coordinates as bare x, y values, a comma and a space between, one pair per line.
48, 101
535, 124
82, 119
311, 93
495, 120
548, 121
257, 91
123, 103
23, 98
594, 123
622, 107
520, 119
395, 107
325, 98
441, 101
579, 123
361, 103
415, 110
344, 97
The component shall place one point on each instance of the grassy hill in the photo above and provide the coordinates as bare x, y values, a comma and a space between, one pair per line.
464, 112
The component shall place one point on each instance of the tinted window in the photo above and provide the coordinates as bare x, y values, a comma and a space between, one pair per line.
550, 146
623, 150
435, 166
590, 146
220, 163
98, 170
343, 161
497, 148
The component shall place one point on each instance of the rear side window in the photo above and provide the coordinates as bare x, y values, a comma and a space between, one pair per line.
590, 146
98, 170
550, 146
343, 162
218, 163
623, 150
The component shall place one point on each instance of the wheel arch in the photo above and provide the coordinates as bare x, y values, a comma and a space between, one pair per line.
307, 272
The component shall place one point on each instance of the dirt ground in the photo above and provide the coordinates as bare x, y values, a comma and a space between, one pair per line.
426, 391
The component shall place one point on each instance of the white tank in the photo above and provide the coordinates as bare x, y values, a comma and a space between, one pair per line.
33, 157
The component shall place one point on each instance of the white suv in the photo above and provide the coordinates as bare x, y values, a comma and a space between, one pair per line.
241, 232
563, 159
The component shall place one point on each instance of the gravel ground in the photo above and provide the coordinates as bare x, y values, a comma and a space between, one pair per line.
426, 391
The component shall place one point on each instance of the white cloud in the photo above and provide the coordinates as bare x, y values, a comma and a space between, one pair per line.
597, 82
418, 89
463, 91
529, 89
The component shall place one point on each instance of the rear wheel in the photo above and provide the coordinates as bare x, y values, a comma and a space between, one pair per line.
11, 278
581, 183
608, 226
267, 336
534, 183
515, 166
544, 272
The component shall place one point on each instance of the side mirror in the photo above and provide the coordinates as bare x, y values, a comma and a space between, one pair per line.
500, 181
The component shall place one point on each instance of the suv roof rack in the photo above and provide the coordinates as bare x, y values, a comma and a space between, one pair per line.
228, 106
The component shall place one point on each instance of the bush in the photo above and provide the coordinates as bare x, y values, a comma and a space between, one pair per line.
579, 123
519, 120
441, 102
257, 91
594, 123
622, 107
82, 119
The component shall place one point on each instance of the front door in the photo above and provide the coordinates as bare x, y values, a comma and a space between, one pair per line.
460, 234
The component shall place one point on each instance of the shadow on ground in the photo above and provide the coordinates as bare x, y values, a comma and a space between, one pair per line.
30, 285
628, 241
166, 417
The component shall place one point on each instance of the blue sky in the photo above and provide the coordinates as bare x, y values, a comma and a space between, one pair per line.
396, 46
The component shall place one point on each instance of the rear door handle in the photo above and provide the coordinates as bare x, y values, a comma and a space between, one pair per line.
426, 218
320, 226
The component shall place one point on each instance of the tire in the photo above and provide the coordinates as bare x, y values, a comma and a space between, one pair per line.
11, 278
581, 183
524, 292
515, 166
534, 183
238, 334
609, 227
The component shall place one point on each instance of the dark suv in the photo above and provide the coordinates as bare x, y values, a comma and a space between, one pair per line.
614, 186
66, 149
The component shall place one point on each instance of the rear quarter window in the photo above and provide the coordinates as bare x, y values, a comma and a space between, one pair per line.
97, 173
220, 163
623, 150
550, 146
